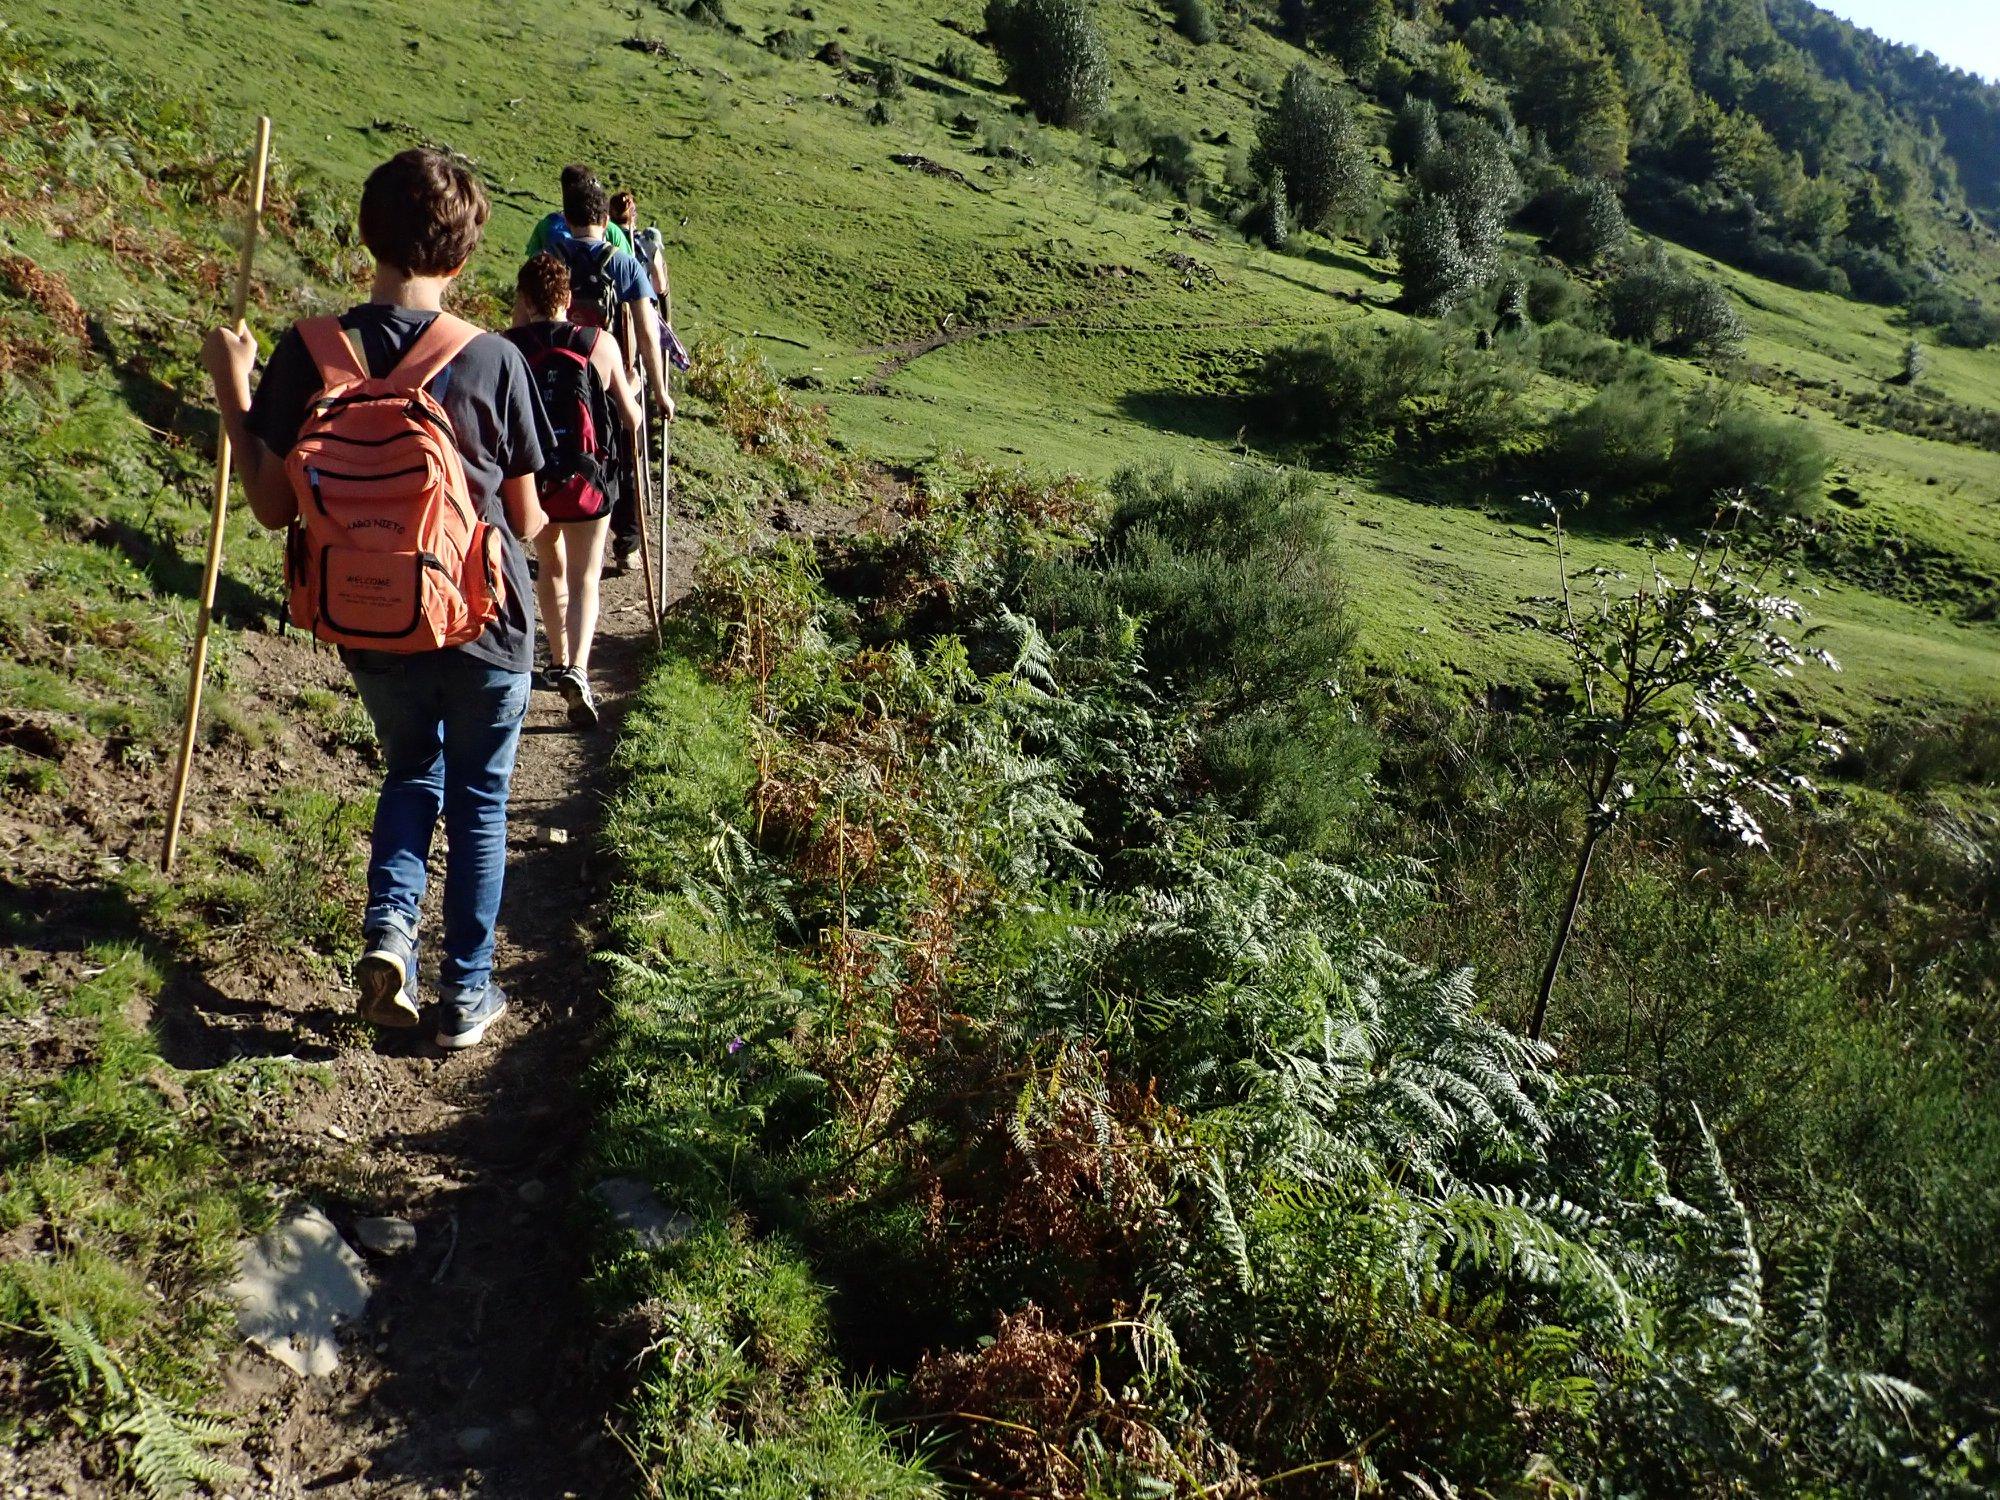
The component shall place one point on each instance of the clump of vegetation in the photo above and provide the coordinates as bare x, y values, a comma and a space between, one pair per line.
941, 943
1639, 442
1360, 395
1414, 137
1449, 228
1243, 617
1312, 139
1589, 223
1195, 21
1663, 305
959, 62
1054, 58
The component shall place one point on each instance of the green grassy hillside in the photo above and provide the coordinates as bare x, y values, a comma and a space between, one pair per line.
1076, 324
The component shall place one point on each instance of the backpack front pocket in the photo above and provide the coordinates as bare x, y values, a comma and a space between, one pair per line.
398, 600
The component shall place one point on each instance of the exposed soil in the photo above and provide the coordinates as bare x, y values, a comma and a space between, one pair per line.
473, 1372
476, 1369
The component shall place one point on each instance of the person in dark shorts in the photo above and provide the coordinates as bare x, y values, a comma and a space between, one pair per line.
592, 406
448, 721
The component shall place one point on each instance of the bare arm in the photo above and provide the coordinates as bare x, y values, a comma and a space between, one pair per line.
229, 354
523, 504
610, 367
662, 286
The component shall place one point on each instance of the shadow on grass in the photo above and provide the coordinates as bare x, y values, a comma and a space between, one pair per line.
194, 1024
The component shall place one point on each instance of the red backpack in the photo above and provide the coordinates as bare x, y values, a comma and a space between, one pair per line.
388, 552
572, 483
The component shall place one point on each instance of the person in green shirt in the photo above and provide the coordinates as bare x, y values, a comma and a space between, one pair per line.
575, 172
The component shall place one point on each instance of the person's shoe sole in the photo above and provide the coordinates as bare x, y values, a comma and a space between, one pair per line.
582, 712
385, 997
458, 1041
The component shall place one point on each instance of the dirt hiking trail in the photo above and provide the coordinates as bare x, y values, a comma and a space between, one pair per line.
472, 1371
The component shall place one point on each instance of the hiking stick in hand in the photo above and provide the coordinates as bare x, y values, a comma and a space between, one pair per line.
198, 667
666, 499
641, 468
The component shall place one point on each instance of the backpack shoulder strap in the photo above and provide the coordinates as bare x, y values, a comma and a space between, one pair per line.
436, 347
334, 350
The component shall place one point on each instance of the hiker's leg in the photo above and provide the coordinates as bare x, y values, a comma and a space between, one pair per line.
401, 694
585, 542
483, 705
552, 591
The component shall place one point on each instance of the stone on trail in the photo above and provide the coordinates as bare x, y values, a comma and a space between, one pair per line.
473, 1441
386, 1236
636, 1208
297, 1284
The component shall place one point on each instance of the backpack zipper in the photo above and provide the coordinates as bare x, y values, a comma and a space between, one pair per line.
314, 474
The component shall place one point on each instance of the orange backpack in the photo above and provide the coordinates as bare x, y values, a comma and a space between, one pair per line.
388, 552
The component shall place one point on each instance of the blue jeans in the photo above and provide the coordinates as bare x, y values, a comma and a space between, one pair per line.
448, 725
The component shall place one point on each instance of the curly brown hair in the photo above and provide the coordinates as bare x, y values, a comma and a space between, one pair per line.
543, 286
422, 212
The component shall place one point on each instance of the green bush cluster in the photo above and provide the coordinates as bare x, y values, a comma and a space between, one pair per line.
1054, 58
1357, 396
1363, 396
1663, 305
1640, 442
1137, 1157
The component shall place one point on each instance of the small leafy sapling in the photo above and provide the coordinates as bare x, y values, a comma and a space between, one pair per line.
1668, 696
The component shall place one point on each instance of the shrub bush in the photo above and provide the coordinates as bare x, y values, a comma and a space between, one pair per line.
1194, 20
1780, 465
1589, 223
1414, 137
1354, 396
1663, 305
1244, 613
1637, 443
1556, 297
958, 62
1449, 229
1621, 440
1313, 137
1053, 56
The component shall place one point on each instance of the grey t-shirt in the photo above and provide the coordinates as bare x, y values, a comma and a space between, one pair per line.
496, 418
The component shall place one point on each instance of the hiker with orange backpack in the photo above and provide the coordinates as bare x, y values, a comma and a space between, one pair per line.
398, 447
580, 374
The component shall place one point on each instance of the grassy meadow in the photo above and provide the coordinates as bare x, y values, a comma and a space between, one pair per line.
1087, 327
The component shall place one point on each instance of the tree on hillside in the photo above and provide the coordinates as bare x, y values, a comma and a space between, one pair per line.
1449, 230
1414, 137
1356, 32
1053, 56
1668, 702
1437, 273
1313, 137
1590, 223
1194, 20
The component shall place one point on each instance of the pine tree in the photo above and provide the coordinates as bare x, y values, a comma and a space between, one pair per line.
1053, 56
1313, 138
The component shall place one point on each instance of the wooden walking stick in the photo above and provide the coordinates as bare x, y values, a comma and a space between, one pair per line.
198, 668
666, 501
641, 469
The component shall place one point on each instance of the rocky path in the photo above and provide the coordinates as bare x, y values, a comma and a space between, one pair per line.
472, 1370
